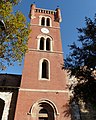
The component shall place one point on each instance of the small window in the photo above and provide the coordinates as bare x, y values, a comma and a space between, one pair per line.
45, 69
42, 43
47, 22
43, 21
48, 44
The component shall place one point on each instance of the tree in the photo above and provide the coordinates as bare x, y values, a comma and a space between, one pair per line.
13, 39
14, 2
81, 63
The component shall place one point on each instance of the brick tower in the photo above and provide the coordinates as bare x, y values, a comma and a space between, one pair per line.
43, 94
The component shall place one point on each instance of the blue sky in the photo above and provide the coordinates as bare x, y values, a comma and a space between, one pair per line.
73, 16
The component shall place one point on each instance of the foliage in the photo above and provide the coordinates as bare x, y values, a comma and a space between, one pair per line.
81, 63
13, 2
13, 40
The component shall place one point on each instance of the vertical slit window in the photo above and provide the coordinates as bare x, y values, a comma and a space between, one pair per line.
42, 43
45, 69
47, 44
43, 21
47, 22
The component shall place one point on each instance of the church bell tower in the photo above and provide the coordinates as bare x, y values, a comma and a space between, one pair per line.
43, 93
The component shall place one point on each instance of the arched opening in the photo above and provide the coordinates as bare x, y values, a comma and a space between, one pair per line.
45, 43
2, 104
41, 43
42, 21
46, 111
48, 44
47, 22
43, 114
45, 69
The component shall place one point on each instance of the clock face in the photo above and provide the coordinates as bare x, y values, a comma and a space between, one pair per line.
44, 30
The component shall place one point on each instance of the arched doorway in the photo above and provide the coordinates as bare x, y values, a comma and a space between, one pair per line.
44, 110
43, 114
2, 104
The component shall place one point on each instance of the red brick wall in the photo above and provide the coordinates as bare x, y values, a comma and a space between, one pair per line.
29, 94
27, 99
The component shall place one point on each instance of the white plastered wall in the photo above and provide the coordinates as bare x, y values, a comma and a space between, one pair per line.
6, 96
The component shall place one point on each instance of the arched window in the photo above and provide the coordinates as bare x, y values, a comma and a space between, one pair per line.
47, 22
41, 43
43, 21
45, 43
48, 44
45, 69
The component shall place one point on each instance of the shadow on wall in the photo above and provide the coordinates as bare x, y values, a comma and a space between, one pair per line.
67, 110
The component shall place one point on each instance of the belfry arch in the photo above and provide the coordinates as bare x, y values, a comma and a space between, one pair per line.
44, 42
